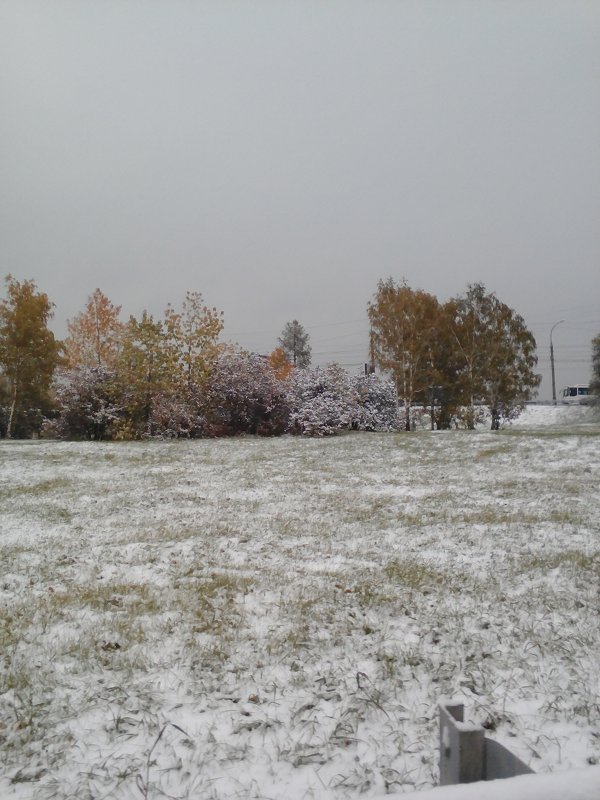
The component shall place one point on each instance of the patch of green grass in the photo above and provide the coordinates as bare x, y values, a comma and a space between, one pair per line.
564, 517
434, 512
584, 430
373, 592
56, 515
212, 603
413, 574
408, 520
491, 515
572, 559
491, 452
46, 487
132, 598
13, 622
365, 511
165, 533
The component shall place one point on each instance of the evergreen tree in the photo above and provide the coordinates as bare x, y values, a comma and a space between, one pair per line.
294, 343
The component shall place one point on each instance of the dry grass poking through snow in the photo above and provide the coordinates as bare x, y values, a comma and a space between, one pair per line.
278, 618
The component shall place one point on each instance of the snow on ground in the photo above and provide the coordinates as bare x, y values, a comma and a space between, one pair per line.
577, 784
278, 618
547, 416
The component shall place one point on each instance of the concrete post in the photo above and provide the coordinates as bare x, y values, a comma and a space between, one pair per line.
461, 747
467, 756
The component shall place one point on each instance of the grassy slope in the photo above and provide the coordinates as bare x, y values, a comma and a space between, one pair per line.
277, 618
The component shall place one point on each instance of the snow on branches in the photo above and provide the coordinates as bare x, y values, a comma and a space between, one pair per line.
244, 395
89, 403
324, 401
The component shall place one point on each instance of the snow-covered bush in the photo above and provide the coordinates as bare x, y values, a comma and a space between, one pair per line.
377, 407
323, 401
244, 396
175, 417
88, 404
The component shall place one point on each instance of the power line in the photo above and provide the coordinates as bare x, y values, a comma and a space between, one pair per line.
306, 327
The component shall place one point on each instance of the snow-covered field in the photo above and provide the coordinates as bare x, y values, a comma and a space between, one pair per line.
278, 618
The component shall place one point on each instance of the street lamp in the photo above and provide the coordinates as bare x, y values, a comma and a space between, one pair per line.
552, 361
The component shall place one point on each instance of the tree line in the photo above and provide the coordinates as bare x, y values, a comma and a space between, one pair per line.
173, 377
167, 377
470, 353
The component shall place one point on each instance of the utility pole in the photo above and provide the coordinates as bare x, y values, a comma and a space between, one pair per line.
552, 361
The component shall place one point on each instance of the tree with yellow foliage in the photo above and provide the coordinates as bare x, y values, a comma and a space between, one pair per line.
95, 335
29, 354
280, 364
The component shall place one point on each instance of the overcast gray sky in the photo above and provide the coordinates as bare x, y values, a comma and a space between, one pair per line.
281, 157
